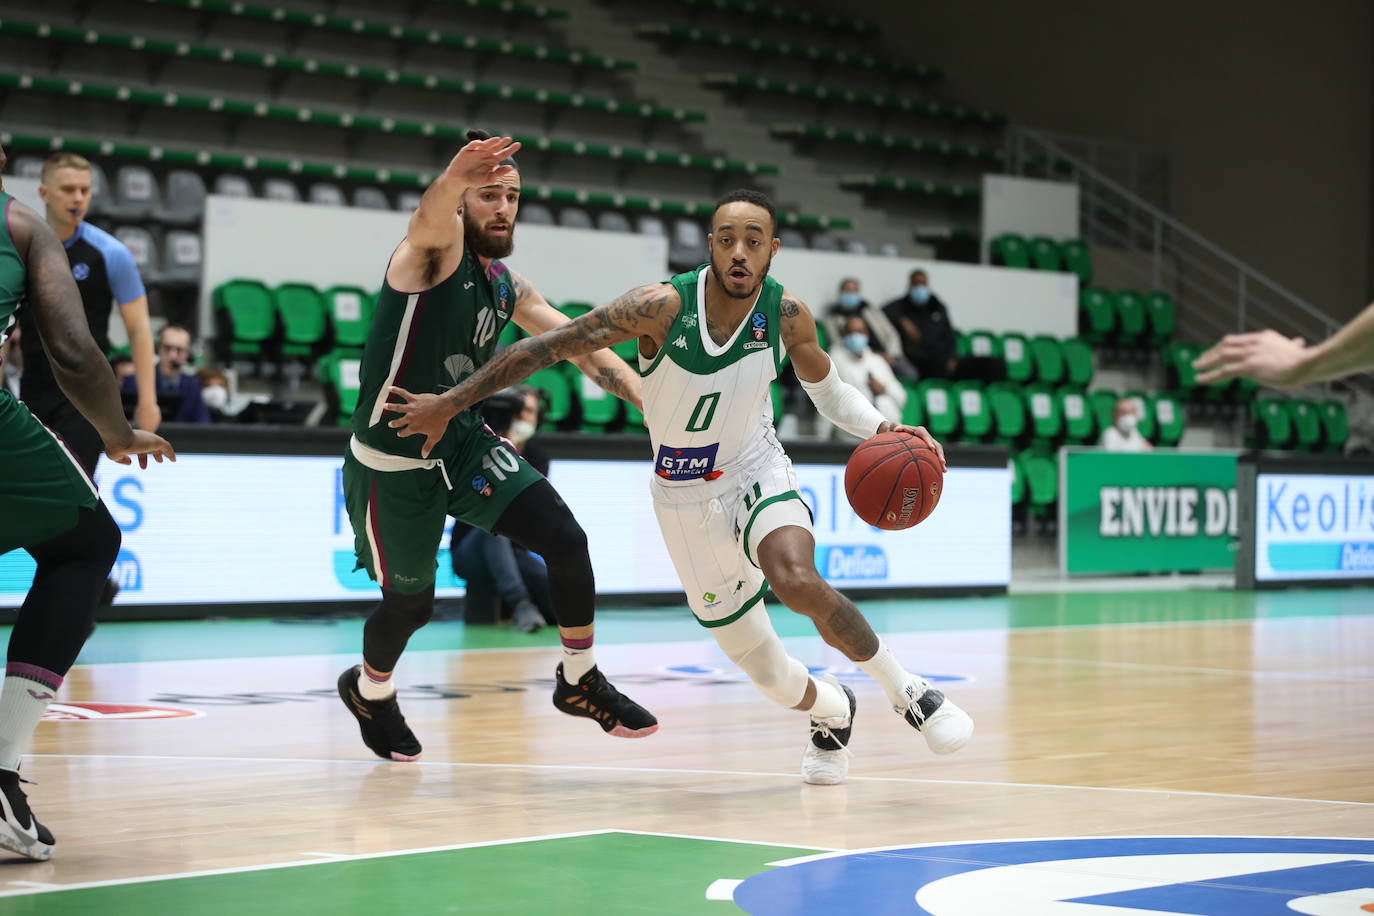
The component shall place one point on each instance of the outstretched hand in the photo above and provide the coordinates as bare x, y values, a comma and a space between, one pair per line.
921, 433
421, 415
1266, 357
143, 444
479, 163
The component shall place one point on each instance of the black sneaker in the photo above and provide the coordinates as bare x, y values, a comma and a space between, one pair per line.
594, 698
19, 830
826, 761
383, 727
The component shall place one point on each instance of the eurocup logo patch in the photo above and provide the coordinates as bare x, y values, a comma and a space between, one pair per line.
81, 271
503, 294
760, 322
1147, 876
481, 486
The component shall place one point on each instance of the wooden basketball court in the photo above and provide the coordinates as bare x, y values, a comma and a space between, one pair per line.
1098, 715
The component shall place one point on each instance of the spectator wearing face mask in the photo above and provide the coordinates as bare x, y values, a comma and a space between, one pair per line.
929, 340
501, 575
858, 365
1124, 433
214, 390
882, 336
178, 392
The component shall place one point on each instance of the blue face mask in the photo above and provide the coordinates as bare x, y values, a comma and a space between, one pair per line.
920, 294
850, 300
856, 343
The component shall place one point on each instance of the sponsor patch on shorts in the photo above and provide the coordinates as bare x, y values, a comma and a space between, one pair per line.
686, 463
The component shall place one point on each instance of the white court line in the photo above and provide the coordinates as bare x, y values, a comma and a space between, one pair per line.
723, 889
687, 772
210, 872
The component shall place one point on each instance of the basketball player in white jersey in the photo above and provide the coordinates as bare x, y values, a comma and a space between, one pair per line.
710, 343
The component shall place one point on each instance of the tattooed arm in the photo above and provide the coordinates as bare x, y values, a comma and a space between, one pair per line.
534, 314
647, 311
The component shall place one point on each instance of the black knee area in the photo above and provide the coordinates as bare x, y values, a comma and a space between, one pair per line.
542, 523
391, 624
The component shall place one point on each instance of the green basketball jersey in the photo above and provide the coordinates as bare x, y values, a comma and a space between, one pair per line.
427, 343
13, 273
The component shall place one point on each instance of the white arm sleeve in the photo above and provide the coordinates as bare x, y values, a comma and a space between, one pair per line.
843, 405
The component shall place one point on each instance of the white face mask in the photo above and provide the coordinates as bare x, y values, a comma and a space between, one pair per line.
215, 397
1126, 423
521, 431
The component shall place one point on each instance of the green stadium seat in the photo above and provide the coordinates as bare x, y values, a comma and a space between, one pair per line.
1080, 426
1077, 260
350, 314
1144, 409
600, 408
1044, 253
975, 414
822, 336
984, 343
1046, 413
1178, 363
961, 344
1018, 482
338, 373
942, 413
1159, 310
553, 382
510, 333
575, 310
1335, 426
1008, 411
1130, 317
1011, 250
1307, 425
301, 310
1170, 419
1048, 355
778, 396
913, 411
1096, 315
1078, 362
1042, 483
247, 317
1103, 404
1019, 359
1273, 424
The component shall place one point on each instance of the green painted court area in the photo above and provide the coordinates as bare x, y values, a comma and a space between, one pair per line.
602, 873
263, 638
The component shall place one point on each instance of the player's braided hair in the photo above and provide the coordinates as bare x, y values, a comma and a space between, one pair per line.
476, 133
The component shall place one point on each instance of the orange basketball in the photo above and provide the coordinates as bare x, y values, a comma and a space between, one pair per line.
893, 481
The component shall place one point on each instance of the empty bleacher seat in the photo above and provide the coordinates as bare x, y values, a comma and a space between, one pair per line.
338, 373
281, 189
370, 199
1048, 355
1130, 317
1010, 250
1159, 309
575, 218
301, 311
1077, 260
246, 319
136, 194
612, 221
1096, 315
1042, 483
142, 244
688, 243
1335, 426
984, 344
1273, 424
975, 415
1307, 424
230, 185
1103, 405
791, 238
1080, 427
1044, 253
1169, 419
327, 194
349, 309
1078, 362
1046, 412
536, 214
557, 394
1019, 359
409, 201
942, 412
184, 202
181, 258
1008, 411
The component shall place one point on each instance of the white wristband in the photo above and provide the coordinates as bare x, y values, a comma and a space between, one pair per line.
843, 405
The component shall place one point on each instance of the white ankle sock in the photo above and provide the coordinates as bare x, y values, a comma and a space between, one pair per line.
374, 685
830, 701
577, 662
23, 701
884, 669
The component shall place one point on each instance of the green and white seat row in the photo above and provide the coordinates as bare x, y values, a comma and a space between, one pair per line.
342, 70
362, 122
817, 132
910, 186
820, 93
1039, 358
764, 47
1125, 317
748, 9
139, 152
1042, 253
1299, 425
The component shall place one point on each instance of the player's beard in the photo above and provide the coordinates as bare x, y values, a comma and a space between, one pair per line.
720, 281
484, 245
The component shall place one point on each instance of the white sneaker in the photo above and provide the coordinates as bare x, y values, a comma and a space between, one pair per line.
945, 726
826, 761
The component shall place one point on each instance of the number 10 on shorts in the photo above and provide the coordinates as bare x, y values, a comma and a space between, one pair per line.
499, 462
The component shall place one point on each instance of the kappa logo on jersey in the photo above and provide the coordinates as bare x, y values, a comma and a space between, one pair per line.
687, 463
681, 341
760, 322
1197, 876
481, 486
81, 271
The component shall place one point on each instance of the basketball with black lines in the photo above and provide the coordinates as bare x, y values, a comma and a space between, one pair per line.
893, 481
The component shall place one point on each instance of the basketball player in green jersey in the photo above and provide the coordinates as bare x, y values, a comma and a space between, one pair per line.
48, 505
446, 298
710, 343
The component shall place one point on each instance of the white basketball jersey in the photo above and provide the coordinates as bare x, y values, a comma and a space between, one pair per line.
709, 407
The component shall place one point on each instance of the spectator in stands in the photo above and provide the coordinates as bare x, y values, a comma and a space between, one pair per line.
1124, 433
883, 337
178, 392
13, 360
498, 571
859, 366
929, 340
123, 366
214, 390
